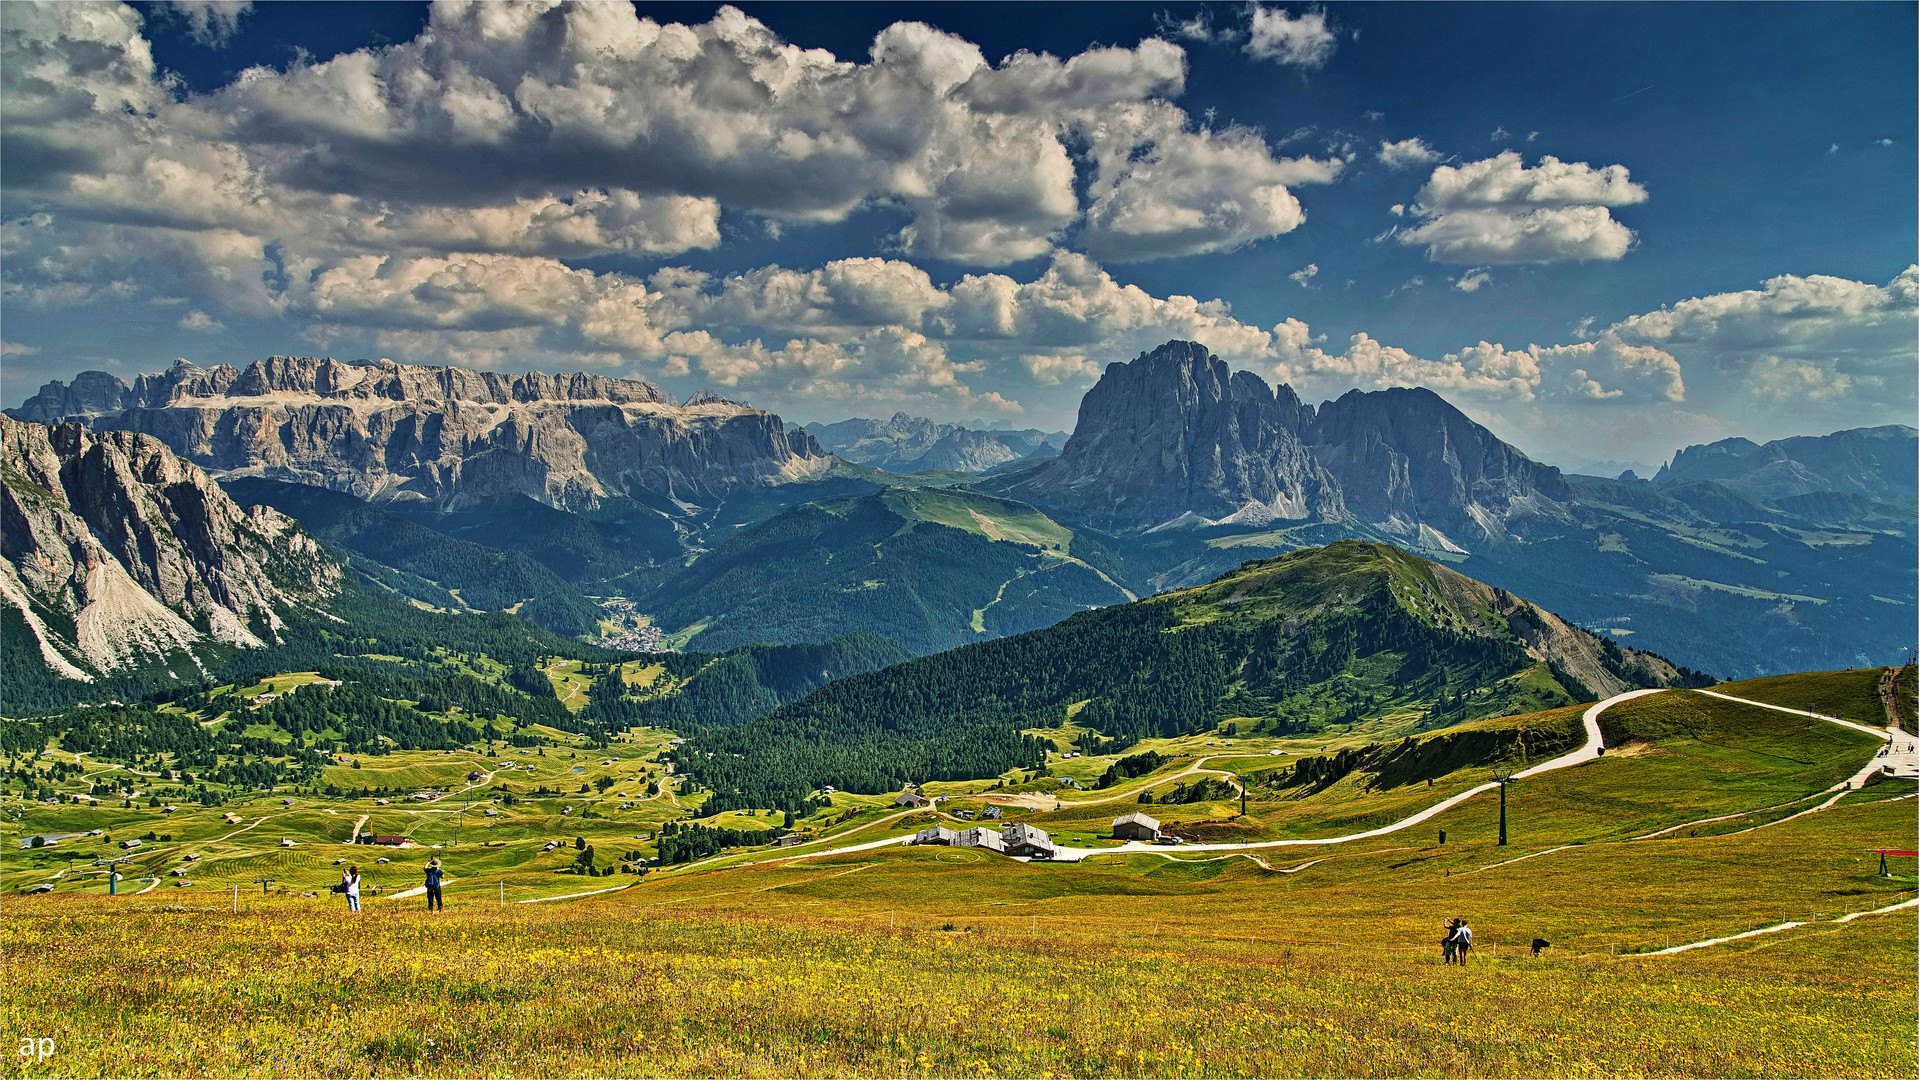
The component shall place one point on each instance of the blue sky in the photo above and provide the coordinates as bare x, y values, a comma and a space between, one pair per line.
1607, 230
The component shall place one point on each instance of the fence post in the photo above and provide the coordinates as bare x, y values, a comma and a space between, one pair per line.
502, 894
236, 899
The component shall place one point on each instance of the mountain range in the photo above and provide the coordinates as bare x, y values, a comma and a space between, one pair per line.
473, 491
1175, 439
448, 436
915, 444
1876, 463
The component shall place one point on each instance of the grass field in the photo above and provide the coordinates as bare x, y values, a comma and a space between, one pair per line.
901, 961
846, 967
1851, 695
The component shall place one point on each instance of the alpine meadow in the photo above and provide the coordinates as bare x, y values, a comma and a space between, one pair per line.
567, 538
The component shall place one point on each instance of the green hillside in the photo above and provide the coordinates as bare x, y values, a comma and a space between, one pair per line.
1348, 637
931, 568
683, 691
426, 565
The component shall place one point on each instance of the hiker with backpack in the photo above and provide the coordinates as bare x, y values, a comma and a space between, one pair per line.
434, 876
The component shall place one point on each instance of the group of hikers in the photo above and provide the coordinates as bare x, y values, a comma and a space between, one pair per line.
435, 876
1457, 942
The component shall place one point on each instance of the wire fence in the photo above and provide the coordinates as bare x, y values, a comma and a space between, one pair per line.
1051, 931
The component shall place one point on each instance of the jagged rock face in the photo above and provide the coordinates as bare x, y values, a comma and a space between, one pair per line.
113, 550
1879, 463
914, 444
1176, 438
450, 435
1407, 459
1175, 432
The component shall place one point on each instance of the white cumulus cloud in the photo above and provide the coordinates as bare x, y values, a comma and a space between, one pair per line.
211, 22
1406, 154
1500, 211
201, 323
1302, 40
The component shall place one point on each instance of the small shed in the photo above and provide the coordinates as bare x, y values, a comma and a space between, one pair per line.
991, 813
908, 799
1135, 826
792, 839
938, 834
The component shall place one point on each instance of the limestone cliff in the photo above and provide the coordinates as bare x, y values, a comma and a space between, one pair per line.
450, 435
115, 551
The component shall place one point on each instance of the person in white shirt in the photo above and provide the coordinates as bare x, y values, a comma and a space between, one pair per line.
1462, 941
350, 884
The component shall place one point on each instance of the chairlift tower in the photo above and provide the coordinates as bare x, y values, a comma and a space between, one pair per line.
113, 879
1504, 778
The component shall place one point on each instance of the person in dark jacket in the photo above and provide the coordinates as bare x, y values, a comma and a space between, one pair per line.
434, 875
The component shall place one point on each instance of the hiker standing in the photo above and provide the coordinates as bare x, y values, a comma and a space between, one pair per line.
350, 885
433, 878
1449, 944
1463, 941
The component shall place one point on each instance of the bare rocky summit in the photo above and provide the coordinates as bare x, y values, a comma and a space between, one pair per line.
449, 435
115, 551
1175, 438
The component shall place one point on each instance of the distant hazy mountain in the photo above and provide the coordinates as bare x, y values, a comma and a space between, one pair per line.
1879, 463
930, 568
449, 435
915, 444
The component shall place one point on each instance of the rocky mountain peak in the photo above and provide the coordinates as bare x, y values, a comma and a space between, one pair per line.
1176, 432
1176, 437
904, 443
1410, 463
115, 551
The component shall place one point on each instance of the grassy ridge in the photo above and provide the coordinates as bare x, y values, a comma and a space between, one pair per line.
1852, 694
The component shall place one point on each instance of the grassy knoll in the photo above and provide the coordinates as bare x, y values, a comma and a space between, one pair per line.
1851, 695
842, 967
569, 684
